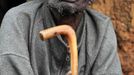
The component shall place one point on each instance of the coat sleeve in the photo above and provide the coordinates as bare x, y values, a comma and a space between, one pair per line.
14, 56
11, 64
107, 61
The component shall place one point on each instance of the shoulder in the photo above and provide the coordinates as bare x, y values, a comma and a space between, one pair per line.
97, 16
21, 15
26, 9
101, 21
102, 25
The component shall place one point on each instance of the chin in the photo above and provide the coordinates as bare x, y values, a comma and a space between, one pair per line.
65, 8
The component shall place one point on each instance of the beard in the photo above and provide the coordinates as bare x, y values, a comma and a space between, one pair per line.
67, 8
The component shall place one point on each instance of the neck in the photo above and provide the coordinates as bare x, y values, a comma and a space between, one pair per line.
73, 20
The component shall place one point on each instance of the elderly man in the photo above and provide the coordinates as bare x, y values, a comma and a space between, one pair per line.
23, 53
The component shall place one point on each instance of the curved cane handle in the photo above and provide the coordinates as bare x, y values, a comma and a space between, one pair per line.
69, 33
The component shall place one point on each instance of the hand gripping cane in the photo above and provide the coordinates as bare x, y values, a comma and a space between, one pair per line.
69, 33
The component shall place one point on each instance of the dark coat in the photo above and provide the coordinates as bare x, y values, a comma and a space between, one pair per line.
23, 53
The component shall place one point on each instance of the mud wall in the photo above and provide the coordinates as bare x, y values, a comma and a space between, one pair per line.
122, 15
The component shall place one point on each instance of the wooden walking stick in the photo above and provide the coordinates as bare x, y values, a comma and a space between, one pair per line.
69, 33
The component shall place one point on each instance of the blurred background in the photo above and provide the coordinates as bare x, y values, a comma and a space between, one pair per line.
122, 15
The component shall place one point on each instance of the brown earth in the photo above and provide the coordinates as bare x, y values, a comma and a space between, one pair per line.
122, 15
